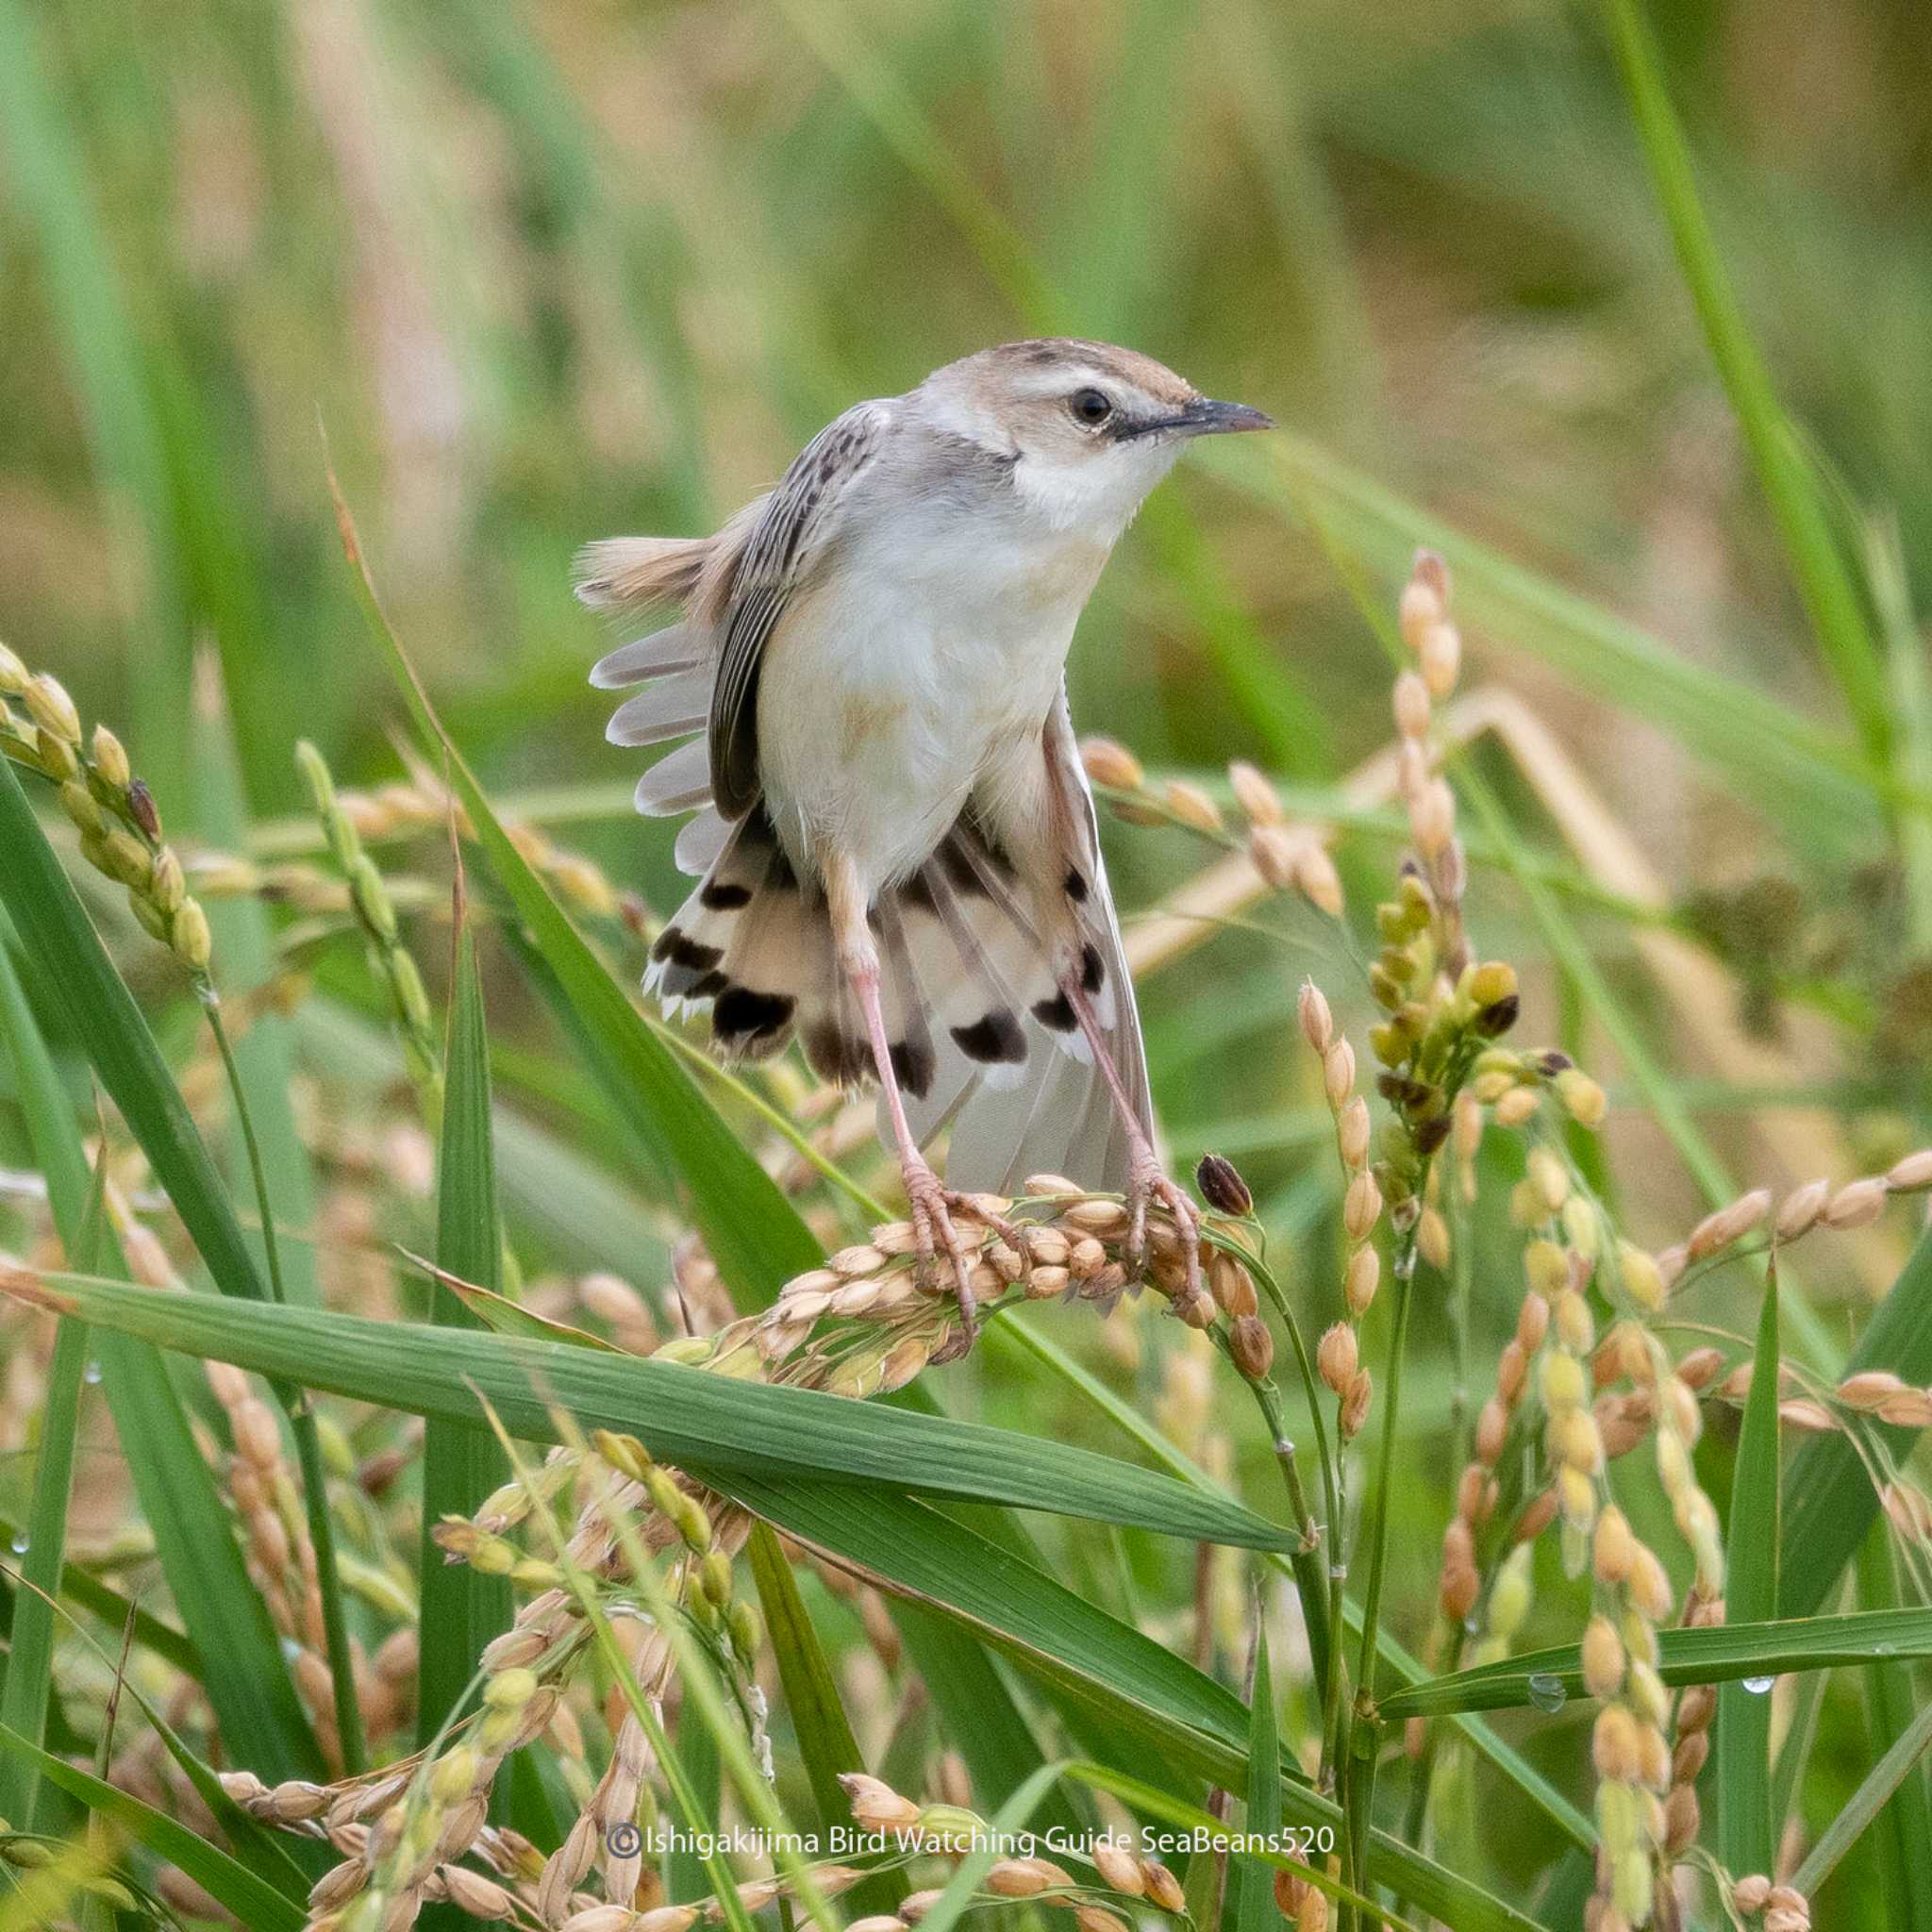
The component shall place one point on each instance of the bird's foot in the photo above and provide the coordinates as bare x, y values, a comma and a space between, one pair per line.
933, 1209
1149, 1182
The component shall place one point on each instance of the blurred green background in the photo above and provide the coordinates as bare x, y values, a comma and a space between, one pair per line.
548, 270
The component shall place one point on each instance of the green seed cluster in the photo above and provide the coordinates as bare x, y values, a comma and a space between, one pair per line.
114, 811
376, 913
712, 1599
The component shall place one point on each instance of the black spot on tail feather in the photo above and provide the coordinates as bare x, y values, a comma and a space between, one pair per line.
961, 873
913, 1067
680, 951
745, 1021
837, 1057
1092, 974
1077, 886
993, 1039
1055, 1014
723, 895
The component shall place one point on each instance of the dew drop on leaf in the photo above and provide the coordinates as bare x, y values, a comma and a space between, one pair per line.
1546, 1691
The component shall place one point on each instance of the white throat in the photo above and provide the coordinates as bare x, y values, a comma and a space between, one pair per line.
1095, 496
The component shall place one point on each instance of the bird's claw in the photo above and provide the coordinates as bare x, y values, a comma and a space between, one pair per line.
933, 1209
1150, 1182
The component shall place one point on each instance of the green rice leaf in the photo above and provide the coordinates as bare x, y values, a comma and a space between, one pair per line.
101, 1013
255, 1902
1718, 1655
1254, 1909
825, 1741
713, 1426
1897, 1805
462, 1608
1743, 1718
976, 1706
28, 1687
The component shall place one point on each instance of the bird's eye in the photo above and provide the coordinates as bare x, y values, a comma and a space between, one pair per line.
1089, 407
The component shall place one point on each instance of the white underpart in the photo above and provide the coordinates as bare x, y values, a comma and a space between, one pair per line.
920, 670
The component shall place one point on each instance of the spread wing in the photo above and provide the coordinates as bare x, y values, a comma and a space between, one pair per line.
799, 526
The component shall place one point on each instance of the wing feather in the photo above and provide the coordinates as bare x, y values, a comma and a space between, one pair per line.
798, 526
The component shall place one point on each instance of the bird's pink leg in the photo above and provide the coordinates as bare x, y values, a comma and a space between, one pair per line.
931, 1204
1147, 1180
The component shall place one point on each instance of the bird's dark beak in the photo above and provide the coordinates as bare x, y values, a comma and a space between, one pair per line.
1206, 417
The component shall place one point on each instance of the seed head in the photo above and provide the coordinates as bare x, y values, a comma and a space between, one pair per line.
142, 810
1613, 1548
190, 937
1361, 1207
1317, 879
1015, 1878
1603, 1659
1424, 597
1273, 849
1855, 1206
1729, 1223
1112, 765
1441, 657
1355, 1405
1255, 796
1222, 1187
1119, 1868
111, 759
1317, 1022
1163, 1888
52, 710
1411, 706
1338, 1356
1192, 807
1614, 1747
1363, 1277
1911, 1174
1510, 1598
875, 1806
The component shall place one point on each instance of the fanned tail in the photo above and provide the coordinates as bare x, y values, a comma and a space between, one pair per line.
964, 979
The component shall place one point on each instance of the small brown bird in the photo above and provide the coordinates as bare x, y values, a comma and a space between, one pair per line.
894, 835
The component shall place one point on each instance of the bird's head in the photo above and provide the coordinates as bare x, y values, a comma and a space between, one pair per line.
1087, 430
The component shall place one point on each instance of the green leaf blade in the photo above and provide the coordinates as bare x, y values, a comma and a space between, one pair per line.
254, 1901
1717, 1654
1254, 1907
1745, 1826
462, 1608
703, 1422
